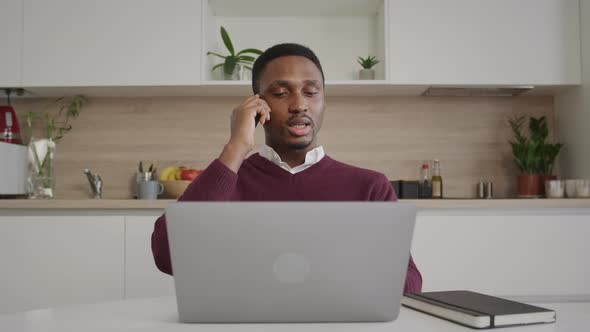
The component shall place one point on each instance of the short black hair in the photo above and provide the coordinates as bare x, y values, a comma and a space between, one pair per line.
278, 51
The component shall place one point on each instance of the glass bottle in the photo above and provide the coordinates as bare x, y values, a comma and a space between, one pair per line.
437, 182
425, 185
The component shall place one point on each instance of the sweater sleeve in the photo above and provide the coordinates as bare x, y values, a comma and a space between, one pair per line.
383, 191
216, 183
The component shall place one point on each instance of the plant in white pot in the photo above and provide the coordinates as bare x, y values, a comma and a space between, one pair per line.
234, 64
367, 73
42, 146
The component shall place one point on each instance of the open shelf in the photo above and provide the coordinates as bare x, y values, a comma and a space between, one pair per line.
337, 31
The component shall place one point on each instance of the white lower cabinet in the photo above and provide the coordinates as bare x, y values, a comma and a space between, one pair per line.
49, 261
510, 253
142, 278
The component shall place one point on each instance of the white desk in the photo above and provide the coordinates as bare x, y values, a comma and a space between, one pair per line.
159, 314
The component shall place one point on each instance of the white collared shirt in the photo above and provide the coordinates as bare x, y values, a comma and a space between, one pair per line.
311, 158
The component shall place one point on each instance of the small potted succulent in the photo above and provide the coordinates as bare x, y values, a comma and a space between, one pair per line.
533, 156
234, 64
367, 73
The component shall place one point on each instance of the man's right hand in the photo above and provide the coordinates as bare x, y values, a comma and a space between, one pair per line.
242, 140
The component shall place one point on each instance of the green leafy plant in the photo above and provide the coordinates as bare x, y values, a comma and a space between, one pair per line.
58, 124
539, 133
55, 124
368, 62
233, 59
531, 153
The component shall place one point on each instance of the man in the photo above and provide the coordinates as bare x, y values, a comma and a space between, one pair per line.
288, 83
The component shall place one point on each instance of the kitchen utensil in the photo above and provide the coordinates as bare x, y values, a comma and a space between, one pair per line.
146, 176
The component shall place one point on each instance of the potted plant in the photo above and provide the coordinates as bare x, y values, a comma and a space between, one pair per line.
367, 73
533, 156
540, 132
234, 64
42, 150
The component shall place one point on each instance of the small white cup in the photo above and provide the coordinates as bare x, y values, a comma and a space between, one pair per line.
570, 188
554, 188
583, 188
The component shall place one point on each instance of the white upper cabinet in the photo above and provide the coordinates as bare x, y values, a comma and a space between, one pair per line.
112, 42
484, 42
11, 28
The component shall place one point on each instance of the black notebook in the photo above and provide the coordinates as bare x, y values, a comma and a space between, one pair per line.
477, 310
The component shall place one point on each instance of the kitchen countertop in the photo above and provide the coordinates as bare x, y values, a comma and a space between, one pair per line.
424, 204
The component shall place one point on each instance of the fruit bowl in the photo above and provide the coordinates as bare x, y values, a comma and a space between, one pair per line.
174, 188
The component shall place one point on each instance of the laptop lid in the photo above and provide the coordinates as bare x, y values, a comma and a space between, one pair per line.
289, 261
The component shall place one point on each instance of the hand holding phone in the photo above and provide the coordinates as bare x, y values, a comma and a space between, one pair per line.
242, 140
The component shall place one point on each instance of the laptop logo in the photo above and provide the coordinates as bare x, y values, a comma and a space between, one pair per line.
291, 268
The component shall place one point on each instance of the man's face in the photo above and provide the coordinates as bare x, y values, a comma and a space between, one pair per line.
292, 87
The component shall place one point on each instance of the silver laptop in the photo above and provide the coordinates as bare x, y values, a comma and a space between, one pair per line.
289, 261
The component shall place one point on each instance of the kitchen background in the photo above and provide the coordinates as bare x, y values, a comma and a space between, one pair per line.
392, 135
149, 52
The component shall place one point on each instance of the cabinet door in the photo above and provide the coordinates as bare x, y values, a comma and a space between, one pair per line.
535, 253
112, 42
142, 278
55, 261
11, 26
484, 42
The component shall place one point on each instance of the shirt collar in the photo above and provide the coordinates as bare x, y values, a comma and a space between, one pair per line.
311, 158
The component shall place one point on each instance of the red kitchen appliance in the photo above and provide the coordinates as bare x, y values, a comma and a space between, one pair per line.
13, 155
9, 128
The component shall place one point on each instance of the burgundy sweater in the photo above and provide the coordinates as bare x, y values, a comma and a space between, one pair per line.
259, 179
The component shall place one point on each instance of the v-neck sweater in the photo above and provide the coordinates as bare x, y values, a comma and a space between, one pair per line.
259, 179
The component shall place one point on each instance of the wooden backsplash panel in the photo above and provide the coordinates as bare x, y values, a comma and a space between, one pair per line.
393, 135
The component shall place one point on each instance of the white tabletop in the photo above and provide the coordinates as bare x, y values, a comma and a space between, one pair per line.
159, 314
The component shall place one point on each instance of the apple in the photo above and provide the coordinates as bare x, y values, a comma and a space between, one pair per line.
177, 174
189, 174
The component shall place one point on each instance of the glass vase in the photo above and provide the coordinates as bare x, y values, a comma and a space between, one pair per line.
41, 168
239, 73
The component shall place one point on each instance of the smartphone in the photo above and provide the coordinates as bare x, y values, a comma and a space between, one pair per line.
257, 118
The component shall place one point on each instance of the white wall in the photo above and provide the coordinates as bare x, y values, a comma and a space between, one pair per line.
572, 109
